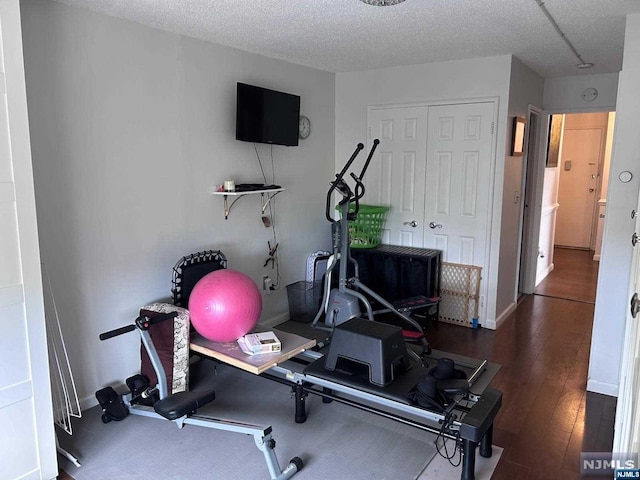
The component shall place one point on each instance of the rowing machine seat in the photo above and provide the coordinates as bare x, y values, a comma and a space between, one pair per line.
182, 403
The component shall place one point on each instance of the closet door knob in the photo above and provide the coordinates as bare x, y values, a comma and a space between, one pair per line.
412, 223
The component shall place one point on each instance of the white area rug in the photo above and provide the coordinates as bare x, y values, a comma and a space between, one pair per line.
440, 469
336, 442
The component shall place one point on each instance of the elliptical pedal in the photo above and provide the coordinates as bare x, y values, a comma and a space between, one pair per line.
413, 303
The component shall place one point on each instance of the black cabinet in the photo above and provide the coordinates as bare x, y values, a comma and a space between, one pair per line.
397, 273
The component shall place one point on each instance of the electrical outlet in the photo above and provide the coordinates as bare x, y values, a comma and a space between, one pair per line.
267, 284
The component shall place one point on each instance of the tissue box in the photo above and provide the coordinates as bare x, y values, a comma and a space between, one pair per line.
262, 342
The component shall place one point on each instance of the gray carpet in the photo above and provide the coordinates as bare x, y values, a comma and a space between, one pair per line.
336, 442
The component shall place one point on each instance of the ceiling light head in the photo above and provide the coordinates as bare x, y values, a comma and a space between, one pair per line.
382, 3
584, 65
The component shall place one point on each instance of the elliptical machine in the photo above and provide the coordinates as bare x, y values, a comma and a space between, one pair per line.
342, 304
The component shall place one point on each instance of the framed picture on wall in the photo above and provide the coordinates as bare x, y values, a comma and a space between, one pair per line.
553, 143
517, 142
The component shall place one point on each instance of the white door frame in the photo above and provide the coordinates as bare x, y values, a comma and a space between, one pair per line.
533, 181
529, 263
26, 413
625, 438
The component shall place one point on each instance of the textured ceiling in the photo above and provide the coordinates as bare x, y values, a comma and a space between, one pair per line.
349, 35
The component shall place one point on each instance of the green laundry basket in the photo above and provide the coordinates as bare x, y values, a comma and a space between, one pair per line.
366, 230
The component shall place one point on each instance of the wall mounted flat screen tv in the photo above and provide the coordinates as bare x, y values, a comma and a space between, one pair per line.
267, 116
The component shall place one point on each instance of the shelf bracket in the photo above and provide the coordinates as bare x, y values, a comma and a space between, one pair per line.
264, 204
227, 207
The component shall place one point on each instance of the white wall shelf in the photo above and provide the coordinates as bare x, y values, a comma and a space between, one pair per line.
270, 193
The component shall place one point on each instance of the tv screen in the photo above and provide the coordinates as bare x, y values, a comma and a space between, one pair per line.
267, 116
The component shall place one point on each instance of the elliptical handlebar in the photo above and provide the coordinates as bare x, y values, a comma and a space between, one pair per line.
359, 189
340, 185
376, 142
338, 180
142, 322
358, 193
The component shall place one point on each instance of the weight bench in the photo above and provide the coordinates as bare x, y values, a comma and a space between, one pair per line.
181, 406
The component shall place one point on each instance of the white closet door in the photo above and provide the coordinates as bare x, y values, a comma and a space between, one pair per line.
433, 168
457, 203
396, 176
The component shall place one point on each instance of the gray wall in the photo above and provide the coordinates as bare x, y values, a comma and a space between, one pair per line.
132, 129
611, 318
525, 88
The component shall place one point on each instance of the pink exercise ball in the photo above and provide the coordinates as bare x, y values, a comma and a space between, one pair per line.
224, 305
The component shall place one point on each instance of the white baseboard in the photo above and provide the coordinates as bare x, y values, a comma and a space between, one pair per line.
544, 274
504, 315
88, 402
605, 388
490, 325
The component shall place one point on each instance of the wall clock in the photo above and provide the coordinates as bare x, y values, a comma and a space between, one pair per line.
589, 94
304, 127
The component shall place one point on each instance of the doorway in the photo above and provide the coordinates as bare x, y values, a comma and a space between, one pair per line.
573, 208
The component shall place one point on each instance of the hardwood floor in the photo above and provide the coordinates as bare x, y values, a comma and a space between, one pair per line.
547, 417
574, 276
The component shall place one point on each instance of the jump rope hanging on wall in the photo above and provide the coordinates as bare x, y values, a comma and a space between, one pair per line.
269, 221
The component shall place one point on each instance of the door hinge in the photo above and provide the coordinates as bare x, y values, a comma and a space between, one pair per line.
493, 125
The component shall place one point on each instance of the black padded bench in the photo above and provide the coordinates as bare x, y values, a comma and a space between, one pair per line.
182, 403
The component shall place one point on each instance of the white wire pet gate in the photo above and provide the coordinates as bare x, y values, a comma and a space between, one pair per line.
63, 388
